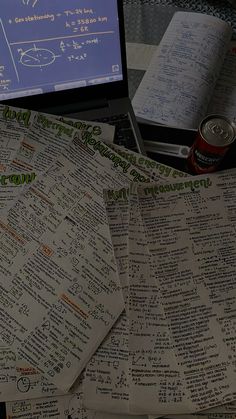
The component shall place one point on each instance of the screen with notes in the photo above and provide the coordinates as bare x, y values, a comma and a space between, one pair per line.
51, 45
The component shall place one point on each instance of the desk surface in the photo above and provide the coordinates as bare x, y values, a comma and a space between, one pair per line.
220, 8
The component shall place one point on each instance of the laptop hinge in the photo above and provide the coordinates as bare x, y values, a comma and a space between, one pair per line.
77, 106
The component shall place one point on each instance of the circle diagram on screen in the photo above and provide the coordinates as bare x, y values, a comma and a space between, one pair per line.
37, 57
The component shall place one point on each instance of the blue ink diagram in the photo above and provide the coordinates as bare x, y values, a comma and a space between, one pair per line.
37, 57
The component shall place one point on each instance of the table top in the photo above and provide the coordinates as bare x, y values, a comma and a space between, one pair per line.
223, 9
220, 8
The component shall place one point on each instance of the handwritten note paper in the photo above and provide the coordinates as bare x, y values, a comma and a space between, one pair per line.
67, 278
177, 87
189, 228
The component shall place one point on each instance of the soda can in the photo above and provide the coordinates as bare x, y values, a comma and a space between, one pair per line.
215, 136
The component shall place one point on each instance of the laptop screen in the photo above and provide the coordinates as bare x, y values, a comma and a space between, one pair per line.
54, 45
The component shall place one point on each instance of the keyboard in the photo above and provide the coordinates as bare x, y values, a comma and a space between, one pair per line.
124, 135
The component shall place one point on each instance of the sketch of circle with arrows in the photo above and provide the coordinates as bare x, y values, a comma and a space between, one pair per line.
23, 384
37, 57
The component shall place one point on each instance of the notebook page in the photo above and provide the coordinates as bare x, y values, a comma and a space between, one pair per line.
46, 408
190, 226
64, 210
177, 86
156, 385
106, 384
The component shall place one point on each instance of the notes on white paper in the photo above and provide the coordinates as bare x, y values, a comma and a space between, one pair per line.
134, 286
189, 226
68, 274
177, 87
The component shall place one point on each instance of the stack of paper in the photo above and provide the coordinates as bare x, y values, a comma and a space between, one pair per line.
117, 278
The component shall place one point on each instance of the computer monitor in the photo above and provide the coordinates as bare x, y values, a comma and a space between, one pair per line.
51, 46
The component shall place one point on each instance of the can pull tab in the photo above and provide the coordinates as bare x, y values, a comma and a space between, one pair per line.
218, 130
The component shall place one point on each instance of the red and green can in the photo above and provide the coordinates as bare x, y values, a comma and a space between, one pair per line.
215, 136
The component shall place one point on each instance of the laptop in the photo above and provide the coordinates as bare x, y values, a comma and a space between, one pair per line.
68, 58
